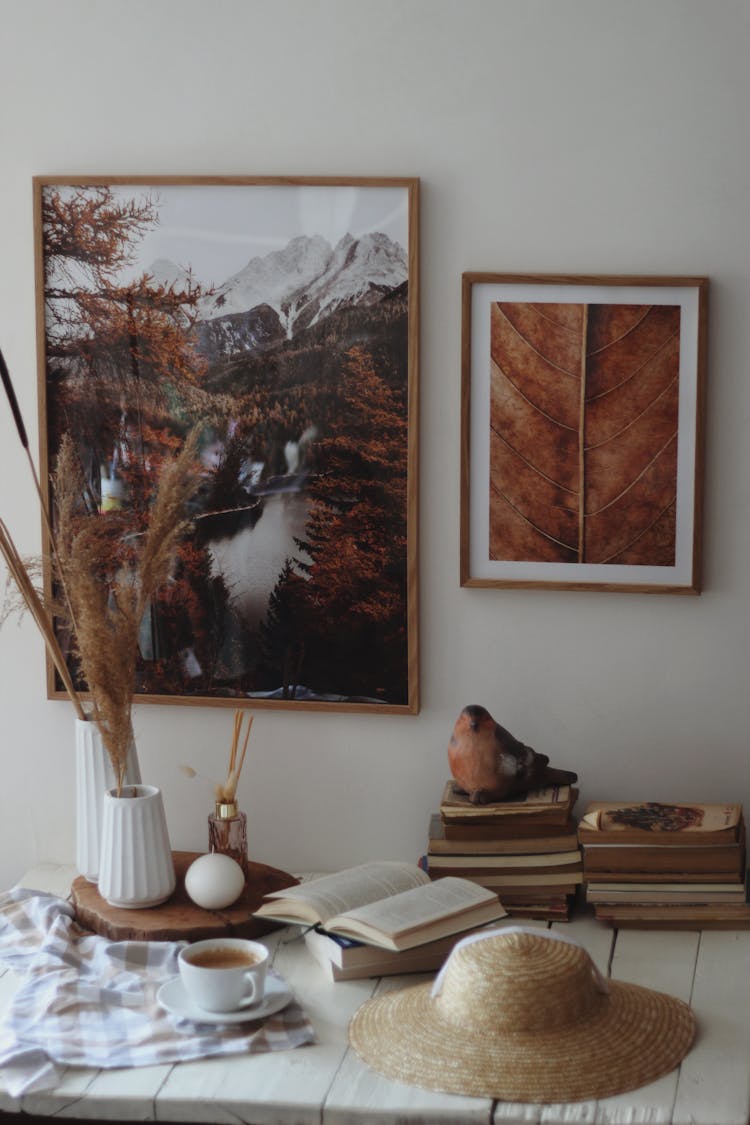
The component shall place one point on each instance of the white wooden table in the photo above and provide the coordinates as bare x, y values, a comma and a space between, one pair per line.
327, 1084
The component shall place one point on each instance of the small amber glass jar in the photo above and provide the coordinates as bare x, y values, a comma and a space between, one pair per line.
227, 832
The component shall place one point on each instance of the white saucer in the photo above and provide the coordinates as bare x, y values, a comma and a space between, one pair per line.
174, 999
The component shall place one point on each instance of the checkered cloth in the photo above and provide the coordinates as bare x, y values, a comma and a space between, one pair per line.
88, 1001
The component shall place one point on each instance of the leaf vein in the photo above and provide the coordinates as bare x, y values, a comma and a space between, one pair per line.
636, 372
535, 527
557, 323
530, 346
643, 531
526, 399
634, 420
635, 479
529, 465
633, 328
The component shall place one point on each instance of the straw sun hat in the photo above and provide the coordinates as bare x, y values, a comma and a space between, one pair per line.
523, 1015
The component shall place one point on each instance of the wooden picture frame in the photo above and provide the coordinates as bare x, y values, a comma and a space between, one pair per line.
582, 432
283, 315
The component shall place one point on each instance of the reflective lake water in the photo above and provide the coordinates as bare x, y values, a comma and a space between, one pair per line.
251, 560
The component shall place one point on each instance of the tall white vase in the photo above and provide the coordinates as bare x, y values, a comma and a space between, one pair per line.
94, 775
136, 867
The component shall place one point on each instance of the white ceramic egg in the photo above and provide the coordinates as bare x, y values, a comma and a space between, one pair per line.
214, 881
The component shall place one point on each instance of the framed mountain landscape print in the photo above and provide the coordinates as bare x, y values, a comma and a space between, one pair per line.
582, 432
278, 320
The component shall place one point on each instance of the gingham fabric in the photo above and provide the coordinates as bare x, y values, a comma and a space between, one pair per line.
88, 1001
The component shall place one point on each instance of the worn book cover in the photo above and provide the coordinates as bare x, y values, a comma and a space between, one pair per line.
552, 881
626, 878
666, 892
518, 830
551, 805
637, 863
466, 865
463, 839
676, 916
658, 823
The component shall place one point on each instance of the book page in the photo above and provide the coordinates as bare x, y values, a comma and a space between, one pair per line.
356, 886
411, 910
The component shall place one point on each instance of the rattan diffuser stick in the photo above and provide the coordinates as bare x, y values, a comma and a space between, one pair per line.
228, 790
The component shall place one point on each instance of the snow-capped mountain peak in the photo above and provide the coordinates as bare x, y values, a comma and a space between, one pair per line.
163, 271
361, 271
307, 280
270, 280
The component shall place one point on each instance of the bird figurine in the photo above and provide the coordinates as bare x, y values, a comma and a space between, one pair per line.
489, 764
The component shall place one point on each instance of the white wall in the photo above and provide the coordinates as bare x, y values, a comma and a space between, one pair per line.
570, 136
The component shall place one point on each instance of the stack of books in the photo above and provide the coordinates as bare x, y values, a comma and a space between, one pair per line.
665, 866
382, 918
343, 958
526, 848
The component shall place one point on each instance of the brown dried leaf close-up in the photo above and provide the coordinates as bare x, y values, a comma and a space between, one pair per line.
583, 432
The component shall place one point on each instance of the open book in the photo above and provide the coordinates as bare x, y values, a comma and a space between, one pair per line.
389, 904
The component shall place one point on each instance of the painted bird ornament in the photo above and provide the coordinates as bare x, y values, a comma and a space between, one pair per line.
489, 764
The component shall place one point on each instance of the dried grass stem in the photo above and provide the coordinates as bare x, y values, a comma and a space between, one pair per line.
39, 613
112, 573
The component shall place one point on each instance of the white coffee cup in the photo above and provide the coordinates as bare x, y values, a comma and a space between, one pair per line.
224, 974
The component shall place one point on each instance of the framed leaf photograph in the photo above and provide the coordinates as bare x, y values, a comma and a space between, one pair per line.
277, 319
582, 432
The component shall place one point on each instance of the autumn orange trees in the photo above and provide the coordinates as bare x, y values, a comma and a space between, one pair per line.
120, 356
341, 617
124, 380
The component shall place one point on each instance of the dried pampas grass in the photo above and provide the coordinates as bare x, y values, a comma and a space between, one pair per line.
19, 571
31, 600
110, 570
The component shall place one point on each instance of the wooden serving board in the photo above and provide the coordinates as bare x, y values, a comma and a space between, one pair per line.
179, 919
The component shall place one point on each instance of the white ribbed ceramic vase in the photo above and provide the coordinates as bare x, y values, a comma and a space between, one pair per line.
136, 867
94, 775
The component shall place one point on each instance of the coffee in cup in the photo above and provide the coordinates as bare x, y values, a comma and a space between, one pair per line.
224, 974
229, 957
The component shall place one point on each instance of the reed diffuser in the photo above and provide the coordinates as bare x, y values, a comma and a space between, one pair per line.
227, 825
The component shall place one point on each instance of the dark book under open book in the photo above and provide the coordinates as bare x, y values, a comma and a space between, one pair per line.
347, 959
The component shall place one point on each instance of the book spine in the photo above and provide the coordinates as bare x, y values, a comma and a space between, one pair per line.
698, 839
513, 874
657, 877
439, 845
664, 860
456, 830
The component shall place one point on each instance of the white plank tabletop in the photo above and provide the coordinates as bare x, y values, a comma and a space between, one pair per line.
327, 1084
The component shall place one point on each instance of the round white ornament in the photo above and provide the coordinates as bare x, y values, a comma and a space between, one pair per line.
214, 881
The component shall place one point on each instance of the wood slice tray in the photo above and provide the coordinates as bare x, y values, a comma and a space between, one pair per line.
179, 919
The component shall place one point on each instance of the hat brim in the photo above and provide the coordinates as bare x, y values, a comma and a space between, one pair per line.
636, 1036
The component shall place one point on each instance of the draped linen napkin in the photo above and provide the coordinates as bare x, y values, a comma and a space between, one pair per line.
88, 1001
